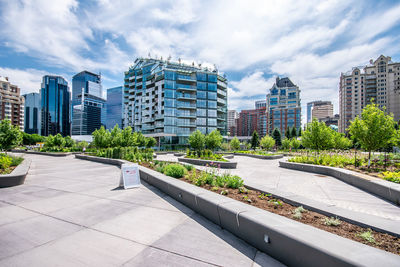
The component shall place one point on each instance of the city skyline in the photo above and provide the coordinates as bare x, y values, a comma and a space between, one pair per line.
312, 45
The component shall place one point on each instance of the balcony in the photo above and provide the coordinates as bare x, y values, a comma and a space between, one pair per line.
221, 110
186, 115
159, 125
185, 105
190, 125
185, 78
159, 117
185, 87
221, 102
147, 119
185, 97
221, 92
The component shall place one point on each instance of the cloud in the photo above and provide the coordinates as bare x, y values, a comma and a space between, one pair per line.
28, 80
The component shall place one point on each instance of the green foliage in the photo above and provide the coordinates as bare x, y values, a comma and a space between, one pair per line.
140, 139
367, 236
32, 139
391, 176
196, 140
293, 133
255, 142
295, 143
300, 209
234, 182
213, 140
341, 142
5, 162
81, 145
267, 142
10, 135
175, 170
287, 133
374, 130
276, 134
332, 221
101, 138
286, 145
300, 132
68, 141
188, 167
206, 155
150, 142
128, 138
235, 144
325, 160
317, 136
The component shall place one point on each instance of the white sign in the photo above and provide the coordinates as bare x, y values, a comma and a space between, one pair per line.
130, 176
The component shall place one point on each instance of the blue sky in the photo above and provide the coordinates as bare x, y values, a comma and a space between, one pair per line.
252, 42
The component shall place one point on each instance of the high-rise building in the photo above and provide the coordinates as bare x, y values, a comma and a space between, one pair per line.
88, 104
114, 107
379, 80
318, 110
283, 106
170, 100
11, 103
252, 120
232, 116
261, 104
32, 113
55, 106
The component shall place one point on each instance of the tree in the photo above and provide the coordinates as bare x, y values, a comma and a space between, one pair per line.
300, 132
101, 138
235, 144
128, 138
31, 139
286, 145
213, 140
374, 130
140, 139
287, 133
341, 142
295, 143
196, 140
294, 132
276, 134
58, 140
317, 136
267, 142
69, 142
254, 140
10, 135
150, 142
116, 137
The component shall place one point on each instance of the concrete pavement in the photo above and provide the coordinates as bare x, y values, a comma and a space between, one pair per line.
70, 213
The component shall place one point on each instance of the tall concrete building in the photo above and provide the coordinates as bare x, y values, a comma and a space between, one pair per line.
252, 120
55, 101
379, 80
32, 122
114, 107
319, 110
170, 100
283, 106
261, 104
11, 103
232, 116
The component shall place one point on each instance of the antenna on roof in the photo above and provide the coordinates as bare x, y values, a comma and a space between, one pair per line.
179, 60
193, 64
169, 58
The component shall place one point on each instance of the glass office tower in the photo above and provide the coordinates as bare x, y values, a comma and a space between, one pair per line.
171, 100
55, 106
114, 107
32, 113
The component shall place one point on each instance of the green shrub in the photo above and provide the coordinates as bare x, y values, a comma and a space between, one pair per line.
391, 176
367, 236
175, 170
188, 167
332, 221
5, 162
234, 182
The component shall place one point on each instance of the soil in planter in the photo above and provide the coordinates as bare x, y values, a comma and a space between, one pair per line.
8, 170
267, 202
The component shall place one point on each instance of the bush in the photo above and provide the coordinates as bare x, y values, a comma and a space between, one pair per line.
234, 182
189, 167
5, 162
175, 170
235, 144
391, 176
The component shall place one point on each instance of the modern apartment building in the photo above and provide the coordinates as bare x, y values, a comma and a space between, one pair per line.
232, 116
379, 80
283, 106
11, 103
170, 100
88, 102
252, 120
114, 107
318, 110
32, 113
55, 106
261, 104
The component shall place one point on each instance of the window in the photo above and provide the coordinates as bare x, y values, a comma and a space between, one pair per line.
212, 95
169, 112
203, 130
292, 95
201, 121
283, 92
169, 75
201, 86
169, 129
274, 92
212, 78
169, 121
201, 112
169, 103
212, 104
201, 76
212, 113
212, 87
273, 101
169, 93
201, 103
202, 94
212, 122
170, 84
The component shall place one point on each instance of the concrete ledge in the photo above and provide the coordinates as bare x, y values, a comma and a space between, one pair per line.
384, 189
179, 154
53, 154
161, 153
17, 176
289, 241
259, 156
202, 162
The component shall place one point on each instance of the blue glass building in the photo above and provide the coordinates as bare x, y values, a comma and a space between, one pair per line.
32, 116
170, 100
55, 106
114, 107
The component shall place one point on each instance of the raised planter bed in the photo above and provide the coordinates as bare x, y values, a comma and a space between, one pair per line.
179, 154
288, 241
53, 154
384, 189
17, 176
161, 153
259, 156
202, 162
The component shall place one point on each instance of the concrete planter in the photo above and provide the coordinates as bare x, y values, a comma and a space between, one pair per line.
179, 154
202, 162
288, 241
53, 154
384, 189
161, 153
259, 156
17, 176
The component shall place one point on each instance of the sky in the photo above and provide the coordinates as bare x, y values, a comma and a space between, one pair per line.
251, 42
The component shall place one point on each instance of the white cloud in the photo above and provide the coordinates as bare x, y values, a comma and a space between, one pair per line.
28, 80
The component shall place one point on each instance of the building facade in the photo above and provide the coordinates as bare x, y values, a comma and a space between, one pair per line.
171, 100
318, 110
261, 104
378, 81
32, 121
283, 106
11, 103
252, 120
55, 106
114, 107
88, 102
232, 116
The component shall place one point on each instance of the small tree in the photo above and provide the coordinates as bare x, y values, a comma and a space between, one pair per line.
116, 137
101, 138
254, 140
317, 136
140, 139
341, 142
213, 140
196, 140
235, 144
300, 132
276, 134
287, 133
58, 140
68, 141
295, 144
128, 138
293, 132
10, 135
150, 142
286, 144
374, 130
267, 142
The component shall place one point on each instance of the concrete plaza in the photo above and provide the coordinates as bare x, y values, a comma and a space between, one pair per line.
70, 213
